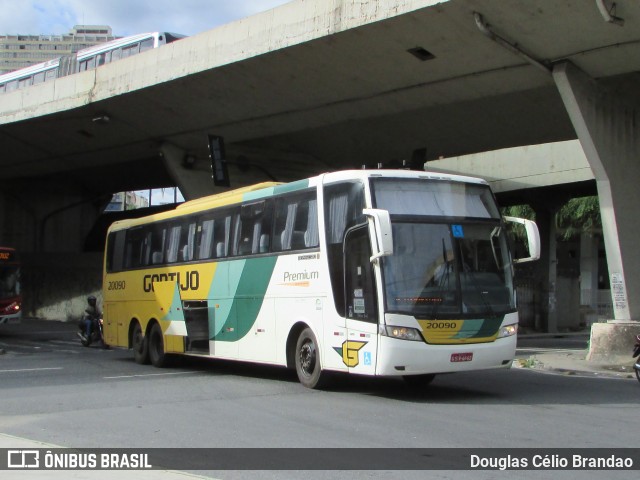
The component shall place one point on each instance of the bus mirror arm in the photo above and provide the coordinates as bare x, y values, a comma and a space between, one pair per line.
383, 242
533, 238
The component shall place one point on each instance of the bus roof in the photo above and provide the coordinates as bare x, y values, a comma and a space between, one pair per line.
267, 189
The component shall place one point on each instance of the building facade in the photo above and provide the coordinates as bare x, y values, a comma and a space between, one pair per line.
19, 51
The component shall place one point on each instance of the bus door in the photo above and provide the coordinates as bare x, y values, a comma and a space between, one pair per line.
360, 349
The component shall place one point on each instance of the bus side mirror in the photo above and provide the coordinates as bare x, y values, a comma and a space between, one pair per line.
533, 238
384, 237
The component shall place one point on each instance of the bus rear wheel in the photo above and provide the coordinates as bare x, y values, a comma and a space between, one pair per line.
307, 359
156, 347
140, 345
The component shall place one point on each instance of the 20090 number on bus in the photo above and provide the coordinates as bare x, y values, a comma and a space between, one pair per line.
117, 285
190, 281
441, 326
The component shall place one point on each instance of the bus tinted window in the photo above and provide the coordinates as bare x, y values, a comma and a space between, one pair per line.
254, 229
115, 251
296, 223
213, 236
427, 197
157, 244
343, 203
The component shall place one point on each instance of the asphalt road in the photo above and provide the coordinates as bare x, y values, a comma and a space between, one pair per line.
56, 391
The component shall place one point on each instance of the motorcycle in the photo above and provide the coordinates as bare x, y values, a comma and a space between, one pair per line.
636, 355
96, 334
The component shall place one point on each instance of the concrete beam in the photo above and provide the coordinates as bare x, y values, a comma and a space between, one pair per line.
521, 168
191, 174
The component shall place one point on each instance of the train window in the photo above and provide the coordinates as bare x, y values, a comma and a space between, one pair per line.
50, 75
130, 50
91, 63
24, 82
116, 54
38, 78
146, 44
11, 86
101, 59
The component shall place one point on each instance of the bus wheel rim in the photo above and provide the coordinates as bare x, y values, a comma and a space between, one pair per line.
307, 358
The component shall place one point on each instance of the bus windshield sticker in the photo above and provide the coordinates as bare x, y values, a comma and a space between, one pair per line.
457, 231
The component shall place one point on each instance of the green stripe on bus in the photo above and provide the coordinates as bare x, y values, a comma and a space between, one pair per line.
291, 187
479, 328
246, 282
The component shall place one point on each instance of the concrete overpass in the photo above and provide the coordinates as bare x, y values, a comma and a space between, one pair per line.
314, 86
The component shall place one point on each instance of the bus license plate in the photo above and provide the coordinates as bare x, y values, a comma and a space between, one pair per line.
462, 357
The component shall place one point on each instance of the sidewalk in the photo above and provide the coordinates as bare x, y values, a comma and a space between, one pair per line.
574, 362
17, 443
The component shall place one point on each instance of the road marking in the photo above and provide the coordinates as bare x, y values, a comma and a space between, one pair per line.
148, 375
31, 369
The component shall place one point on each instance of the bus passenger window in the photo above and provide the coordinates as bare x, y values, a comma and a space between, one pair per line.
173, 244
205, 239
296, 222
254, 221
158, 242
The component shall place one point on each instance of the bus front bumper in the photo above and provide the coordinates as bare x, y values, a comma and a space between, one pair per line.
10, 319
403, 357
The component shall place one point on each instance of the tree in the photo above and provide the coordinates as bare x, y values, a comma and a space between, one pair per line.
578, 216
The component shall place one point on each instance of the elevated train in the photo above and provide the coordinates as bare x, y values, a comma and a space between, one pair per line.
85, 59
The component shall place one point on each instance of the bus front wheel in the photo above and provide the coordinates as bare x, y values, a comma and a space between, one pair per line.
307, 358
156, 347
140, 345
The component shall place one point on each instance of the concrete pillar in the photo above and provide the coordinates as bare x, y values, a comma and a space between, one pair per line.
191, 174
607, 124
546, 267
589, 277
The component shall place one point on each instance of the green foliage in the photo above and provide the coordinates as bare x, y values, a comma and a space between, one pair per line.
577, 216
520, 211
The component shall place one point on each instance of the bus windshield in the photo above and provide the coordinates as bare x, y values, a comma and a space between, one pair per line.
450, 253
9, 286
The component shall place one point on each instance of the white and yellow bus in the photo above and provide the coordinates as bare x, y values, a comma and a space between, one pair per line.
372, 272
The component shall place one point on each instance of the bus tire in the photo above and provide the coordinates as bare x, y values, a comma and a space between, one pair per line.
157, 356
419, 381
140, 345
307, 359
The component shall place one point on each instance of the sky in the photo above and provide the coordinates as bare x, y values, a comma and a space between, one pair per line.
125, 17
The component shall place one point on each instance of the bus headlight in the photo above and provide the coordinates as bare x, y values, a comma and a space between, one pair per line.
403, 333
508, 330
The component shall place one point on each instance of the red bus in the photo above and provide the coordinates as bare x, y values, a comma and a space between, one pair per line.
10, 297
